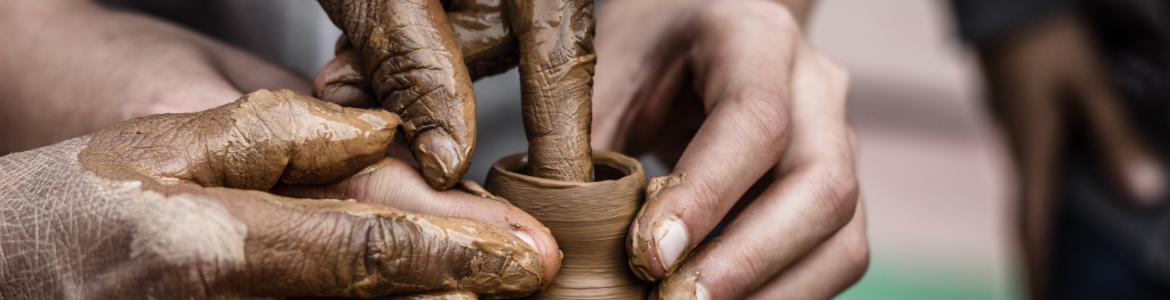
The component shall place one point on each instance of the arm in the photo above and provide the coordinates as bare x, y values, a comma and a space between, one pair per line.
73, 67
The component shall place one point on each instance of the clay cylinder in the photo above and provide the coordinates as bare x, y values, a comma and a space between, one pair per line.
590, 221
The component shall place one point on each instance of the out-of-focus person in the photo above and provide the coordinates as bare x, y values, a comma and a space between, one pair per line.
1081, 88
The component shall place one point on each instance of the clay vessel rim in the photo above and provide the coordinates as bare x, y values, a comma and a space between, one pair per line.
627, 166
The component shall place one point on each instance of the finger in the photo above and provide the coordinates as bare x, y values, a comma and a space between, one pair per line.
743, 136
410, 55
827, 271
485, 36
556, 85
815, 197
1134, 168
342, 80
395, 184
296, 247
255, 141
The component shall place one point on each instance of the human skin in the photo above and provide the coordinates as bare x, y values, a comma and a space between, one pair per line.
78, 68
173, 206
813, 183
483, 33
556, 84
752, 120
408, 52
556, 67
173, 70
1039, 78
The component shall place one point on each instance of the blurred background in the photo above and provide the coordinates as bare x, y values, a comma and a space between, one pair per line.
935, 176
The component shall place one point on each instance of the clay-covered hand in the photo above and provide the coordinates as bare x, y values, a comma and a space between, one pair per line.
551, 40
763, 198
480, 27
407, 56
174, 206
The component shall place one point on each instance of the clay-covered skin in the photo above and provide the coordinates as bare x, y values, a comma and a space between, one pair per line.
172, 206
556, 81
484, 34
589, 220
459, 295
481, 29
639, 242
408, 51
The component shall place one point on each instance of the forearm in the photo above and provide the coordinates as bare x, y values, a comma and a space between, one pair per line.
75, 67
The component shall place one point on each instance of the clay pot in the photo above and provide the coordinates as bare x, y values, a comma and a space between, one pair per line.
589, 220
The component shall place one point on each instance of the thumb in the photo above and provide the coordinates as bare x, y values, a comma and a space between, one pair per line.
300, 247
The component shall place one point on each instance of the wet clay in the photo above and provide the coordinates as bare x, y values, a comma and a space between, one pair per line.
589, 220
556, 83
171, 206
485, 36
639, 242
408, 51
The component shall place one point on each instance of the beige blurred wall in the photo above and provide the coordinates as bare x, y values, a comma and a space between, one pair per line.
934, 175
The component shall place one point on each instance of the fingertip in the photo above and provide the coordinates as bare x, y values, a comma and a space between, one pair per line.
441, 158
341, 81
658, 238
545, 245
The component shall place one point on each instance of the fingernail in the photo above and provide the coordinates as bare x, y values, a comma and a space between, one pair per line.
701, 292
671, 237
524, 236
438, 156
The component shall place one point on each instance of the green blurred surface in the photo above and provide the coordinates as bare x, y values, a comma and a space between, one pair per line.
895, 279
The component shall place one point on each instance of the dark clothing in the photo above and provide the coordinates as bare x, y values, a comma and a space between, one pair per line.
1103, 248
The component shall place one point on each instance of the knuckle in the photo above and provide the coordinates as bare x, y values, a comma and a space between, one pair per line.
857, 256
706, 195
751, 16
839, 193
835, 72
764, 114
751, 263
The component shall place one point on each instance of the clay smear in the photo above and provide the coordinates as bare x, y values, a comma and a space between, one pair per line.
641, 241
181, 180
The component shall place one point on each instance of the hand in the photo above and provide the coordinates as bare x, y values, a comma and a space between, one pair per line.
173, 206
417, 60
1042, 79
73, 67
752, 119
404, 56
